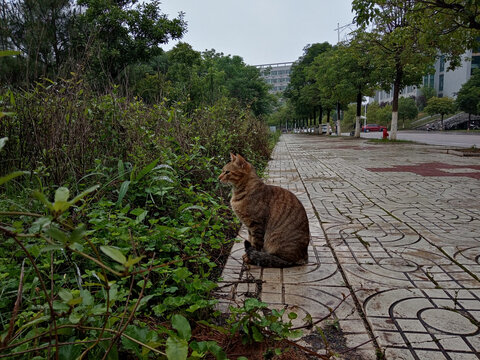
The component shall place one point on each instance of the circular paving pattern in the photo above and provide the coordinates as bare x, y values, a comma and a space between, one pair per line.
448, 322
398, 264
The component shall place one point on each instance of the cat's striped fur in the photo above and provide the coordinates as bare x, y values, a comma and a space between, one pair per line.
276, 220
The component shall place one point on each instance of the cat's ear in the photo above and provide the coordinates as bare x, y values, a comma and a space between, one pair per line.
232, 157
241, 161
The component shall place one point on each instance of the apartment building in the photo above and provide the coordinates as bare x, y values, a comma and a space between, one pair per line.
445, 82
277, 75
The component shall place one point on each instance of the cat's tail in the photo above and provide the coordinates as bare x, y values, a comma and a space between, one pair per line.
265, 259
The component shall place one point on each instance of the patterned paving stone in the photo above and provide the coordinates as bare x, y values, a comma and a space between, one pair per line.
395, 250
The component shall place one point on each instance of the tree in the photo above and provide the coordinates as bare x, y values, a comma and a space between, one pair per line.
405, 55
302, 92
117, 33
468, 97
427, 92
407, 110
330, 78
442, 106
379, 115
361, 71
41, 30
455, 24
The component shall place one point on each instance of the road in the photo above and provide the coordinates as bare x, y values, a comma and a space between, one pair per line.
453, 139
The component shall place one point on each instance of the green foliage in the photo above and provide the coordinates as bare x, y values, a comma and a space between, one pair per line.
427, 92
442, 106
302, 92
379, 115
407, 110
404, 54
255, 322
468, 97
134, 234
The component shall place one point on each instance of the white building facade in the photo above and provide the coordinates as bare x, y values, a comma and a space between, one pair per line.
446, 82
277, 75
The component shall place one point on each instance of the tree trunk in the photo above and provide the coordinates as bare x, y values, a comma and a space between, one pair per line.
396, 93
441, 119
338, 119
359, 114
328, 122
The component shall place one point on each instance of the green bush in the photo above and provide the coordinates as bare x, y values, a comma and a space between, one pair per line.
118, 267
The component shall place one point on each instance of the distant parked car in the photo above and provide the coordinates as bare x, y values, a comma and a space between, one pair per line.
372, 127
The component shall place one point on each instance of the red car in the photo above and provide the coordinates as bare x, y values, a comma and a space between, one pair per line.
372, 127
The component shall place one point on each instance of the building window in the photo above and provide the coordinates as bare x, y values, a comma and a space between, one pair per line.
442, 63
432, 80
440, 83
475, 62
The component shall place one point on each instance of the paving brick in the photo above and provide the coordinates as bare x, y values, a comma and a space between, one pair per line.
407, 245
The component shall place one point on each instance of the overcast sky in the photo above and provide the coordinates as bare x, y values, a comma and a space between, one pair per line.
260, 31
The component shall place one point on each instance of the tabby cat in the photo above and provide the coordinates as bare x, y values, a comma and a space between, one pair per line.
278, 231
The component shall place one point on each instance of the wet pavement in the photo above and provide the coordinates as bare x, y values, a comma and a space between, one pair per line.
464, 139
395, 250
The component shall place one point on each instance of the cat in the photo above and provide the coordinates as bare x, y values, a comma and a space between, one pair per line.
277, 223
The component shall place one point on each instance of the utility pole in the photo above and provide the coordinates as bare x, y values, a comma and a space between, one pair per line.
339, 29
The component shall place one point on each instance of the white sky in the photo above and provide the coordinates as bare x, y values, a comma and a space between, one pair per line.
260, 31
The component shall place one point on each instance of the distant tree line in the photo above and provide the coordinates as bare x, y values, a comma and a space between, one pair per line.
118, 43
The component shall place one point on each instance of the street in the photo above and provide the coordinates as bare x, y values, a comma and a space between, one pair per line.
453, 139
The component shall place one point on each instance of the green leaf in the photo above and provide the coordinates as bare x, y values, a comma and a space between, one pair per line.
57, 234
83, 194
60, 203
39, 224
75, 317
9, 53
257, 335
62, 194
121, 169
78, 233
182, 325
87, 298
65, 295
141, 217
146, 170
2, 114
11, 176
292, 315
68, 352
252, 304
51, 248
43, 199
114, 254
216, 350
177, 349
3, 141
123, 191
133, 261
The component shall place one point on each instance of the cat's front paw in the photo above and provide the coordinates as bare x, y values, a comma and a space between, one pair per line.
246, 259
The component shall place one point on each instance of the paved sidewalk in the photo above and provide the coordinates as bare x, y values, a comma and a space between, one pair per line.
395, 250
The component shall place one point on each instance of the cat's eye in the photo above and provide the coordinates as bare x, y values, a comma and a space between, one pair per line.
227, 171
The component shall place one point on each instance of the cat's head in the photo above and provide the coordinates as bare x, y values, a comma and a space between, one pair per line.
237, 169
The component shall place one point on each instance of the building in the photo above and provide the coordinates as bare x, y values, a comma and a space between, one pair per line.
446, 82
277, 75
